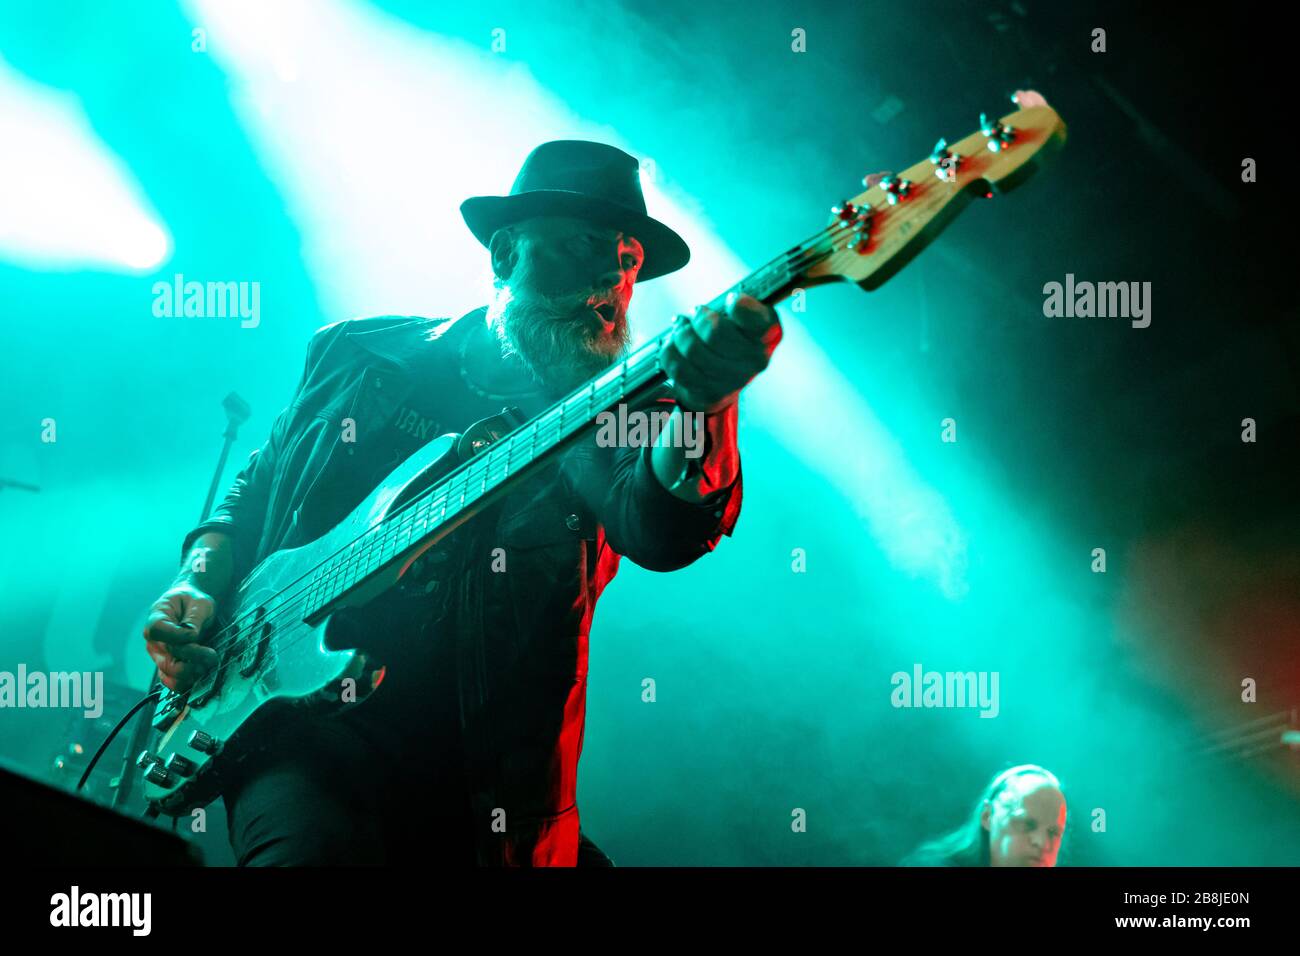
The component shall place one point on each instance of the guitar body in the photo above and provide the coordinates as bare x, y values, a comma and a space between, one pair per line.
275, 663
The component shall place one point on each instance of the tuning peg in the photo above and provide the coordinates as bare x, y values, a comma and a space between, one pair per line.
945, 161
844, 211
858, 239
998, 135
896, 188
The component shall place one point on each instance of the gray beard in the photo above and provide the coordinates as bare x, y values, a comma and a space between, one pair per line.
555, 340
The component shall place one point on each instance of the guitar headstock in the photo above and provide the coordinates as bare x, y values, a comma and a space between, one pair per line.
875, 233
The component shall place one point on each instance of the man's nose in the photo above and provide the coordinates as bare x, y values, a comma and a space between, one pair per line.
610, 278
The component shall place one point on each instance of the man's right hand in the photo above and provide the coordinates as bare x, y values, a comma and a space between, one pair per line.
173, 632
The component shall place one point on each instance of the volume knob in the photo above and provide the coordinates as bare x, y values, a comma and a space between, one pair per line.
181, 766
204, 743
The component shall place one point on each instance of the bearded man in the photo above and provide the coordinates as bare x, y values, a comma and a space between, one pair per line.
468, 753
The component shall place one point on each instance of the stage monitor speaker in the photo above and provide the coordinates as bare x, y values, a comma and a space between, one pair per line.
45, 826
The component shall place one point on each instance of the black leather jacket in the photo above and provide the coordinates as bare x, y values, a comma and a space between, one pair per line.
521, 638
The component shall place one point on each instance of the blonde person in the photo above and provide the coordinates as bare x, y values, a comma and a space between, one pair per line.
1019, 820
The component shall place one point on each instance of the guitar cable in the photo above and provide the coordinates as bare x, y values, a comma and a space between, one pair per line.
155, 695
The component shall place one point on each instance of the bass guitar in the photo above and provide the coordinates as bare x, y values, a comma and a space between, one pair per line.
275, 645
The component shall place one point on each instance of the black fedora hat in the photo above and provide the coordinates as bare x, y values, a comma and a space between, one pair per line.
594, 181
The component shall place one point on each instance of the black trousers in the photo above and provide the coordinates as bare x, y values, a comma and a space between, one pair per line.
332, 791
373, 786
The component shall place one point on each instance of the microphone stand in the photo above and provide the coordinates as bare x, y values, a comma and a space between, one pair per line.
237, 412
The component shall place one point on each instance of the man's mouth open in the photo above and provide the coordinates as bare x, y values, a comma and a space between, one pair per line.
607, 314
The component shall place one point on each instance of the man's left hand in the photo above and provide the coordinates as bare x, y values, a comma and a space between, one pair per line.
712, 355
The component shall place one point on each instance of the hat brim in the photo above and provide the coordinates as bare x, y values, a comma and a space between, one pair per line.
665, 251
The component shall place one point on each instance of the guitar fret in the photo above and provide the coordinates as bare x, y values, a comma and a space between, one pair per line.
343, 568
387, 543
351, 563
